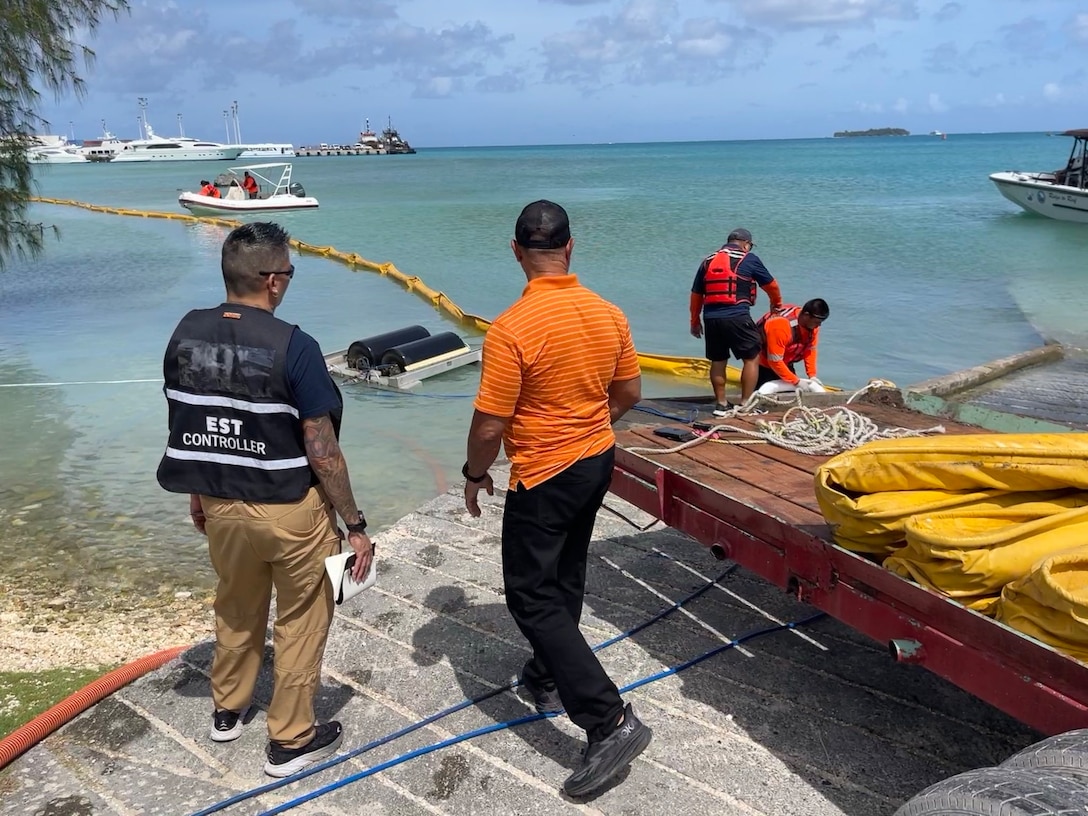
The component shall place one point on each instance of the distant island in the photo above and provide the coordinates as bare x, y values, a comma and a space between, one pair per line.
873, 132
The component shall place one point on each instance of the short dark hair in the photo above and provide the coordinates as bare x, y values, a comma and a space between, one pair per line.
542, 225
817, 307
249, 250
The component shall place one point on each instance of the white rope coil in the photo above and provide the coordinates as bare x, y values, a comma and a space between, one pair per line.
803, 429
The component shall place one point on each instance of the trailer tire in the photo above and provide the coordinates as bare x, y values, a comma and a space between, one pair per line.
1000, 792
1065, 754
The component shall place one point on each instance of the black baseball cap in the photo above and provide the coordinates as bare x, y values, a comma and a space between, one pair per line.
542, 225
739, 234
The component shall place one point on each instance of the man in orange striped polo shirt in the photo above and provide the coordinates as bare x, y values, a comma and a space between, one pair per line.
559, 367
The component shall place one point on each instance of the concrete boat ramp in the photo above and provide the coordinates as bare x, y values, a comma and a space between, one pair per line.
812, 721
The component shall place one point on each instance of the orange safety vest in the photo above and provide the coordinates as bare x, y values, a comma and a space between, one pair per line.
210, 190
724, 287
250, 184
799, 344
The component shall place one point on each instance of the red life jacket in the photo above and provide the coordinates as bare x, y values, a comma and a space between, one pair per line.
799, 344
724, 287
210, 190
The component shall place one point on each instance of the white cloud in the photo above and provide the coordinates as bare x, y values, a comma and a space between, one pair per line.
1052, 91
936, 104
1078, 28
813, 13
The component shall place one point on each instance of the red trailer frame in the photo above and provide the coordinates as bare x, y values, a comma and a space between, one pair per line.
1023, 677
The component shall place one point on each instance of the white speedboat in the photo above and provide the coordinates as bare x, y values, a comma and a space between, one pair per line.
276, 195
1061, 194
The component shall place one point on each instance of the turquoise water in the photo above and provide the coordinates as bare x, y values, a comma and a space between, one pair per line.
927, 270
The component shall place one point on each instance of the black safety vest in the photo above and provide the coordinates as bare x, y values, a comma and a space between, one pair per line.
235, 431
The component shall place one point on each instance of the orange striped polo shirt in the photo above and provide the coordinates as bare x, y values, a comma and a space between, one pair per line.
548, 361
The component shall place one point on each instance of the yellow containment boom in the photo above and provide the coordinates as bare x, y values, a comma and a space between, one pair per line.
687, 367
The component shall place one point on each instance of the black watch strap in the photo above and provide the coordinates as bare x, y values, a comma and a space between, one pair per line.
471, 478
359, 526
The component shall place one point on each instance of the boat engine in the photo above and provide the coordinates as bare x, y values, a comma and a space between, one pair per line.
296, 189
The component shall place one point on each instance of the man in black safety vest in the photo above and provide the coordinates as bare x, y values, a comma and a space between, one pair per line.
254, 420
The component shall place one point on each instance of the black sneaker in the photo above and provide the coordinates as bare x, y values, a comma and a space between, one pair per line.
605, 758
723, 409
286, 761
227, 725
545, 698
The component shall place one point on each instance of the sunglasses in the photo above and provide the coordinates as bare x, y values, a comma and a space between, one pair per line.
289, 272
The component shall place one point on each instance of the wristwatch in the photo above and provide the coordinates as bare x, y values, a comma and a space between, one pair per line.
359, 526
473, 479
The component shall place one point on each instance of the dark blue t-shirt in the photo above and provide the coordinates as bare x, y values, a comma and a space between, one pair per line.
315, 393
751, 267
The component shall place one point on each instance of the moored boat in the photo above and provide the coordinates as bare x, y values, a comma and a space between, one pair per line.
1060, 194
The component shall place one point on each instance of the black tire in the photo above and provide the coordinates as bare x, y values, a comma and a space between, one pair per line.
1065, 754
1001, 792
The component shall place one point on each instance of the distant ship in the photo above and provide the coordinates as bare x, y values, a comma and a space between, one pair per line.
392, 142
368, 144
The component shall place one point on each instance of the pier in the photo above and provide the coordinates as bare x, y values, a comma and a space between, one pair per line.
340, 151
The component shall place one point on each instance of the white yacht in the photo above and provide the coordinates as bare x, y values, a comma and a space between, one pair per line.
181, 148
54, 150
104, 148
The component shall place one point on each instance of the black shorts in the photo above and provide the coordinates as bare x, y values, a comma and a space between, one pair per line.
738, 335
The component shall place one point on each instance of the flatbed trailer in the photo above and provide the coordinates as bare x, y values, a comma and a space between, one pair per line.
756, 505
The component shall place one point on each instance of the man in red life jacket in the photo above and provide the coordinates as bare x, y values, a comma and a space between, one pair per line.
249, 184
790, 335
208, 189
723, 293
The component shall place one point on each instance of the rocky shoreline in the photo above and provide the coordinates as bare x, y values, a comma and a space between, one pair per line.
45, 626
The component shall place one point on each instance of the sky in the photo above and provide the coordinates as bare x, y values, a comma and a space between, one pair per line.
451, 73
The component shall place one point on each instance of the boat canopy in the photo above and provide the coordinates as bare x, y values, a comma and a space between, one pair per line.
259, 166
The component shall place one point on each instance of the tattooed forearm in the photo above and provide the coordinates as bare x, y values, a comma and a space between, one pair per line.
328, 463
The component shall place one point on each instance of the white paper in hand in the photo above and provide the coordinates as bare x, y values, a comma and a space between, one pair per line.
344, 587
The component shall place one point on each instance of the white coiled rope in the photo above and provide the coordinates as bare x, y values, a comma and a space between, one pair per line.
803, 429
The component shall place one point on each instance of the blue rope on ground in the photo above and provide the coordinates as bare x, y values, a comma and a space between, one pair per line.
490, 729
408, 729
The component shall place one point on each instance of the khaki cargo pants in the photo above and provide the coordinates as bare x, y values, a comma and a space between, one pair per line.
255, 547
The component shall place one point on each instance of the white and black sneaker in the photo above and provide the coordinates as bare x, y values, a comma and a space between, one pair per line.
227, 725
286, 761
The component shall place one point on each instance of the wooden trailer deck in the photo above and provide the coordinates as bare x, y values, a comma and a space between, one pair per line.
755, 504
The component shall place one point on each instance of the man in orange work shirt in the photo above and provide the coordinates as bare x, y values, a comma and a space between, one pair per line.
559, 367
249, 184
790, 335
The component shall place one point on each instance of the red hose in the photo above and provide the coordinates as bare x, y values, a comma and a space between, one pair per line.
29, 735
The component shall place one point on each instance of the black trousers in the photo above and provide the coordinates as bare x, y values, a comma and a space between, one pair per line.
546, 532
767, 375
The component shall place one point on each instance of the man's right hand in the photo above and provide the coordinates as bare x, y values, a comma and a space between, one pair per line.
364, 554
696, 329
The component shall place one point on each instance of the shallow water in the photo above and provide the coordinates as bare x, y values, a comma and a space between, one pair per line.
926, 267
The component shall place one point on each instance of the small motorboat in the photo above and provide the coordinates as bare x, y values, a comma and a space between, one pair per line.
273, 194
1061, 194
